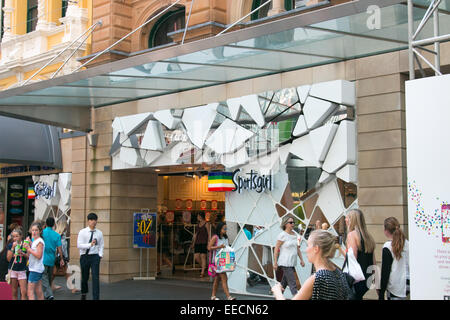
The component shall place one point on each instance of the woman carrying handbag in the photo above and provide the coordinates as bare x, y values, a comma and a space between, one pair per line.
362, 245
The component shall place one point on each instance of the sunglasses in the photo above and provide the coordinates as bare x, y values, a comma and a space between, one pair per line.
291, 222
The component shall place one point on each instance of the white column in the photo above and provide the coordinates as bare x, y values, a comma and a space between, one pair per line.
277, 7
42, 22
75, 22
7, 20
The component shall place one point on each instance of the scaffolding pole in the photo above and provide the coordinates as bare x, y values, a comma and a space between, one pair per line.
413, 54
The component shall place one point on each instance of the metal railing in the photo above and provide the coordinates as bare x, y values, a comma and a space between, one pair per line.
87, 34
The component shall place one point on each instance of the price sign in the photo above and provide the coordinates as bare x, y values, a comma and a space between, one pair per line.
144, 233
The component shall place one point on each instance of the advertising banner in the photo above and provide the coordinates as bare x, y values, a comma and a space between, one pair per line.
428, 154
144, 234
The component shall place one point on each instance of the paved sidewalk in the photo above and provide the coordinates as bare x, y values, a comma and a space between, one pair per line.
160, 289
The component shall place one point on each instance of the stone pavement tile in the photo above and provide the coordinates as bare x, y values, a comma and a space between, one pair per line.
160, 289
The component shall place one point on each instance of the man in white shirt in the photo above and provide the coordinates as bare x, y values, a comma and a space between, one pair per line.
90, 243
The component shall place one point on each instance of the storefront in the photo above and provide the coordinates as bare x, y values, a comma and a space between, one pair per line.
285, 152
182, 196
30, 193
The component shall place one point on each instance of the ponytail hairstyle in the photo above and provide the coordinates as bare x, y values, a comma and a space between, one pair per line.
392, 226
325, 241
357, 222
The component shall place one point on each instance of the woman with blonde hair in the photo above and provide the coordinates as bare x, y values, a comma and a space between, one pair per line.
363, 245
285, 255
328, 282
394, 265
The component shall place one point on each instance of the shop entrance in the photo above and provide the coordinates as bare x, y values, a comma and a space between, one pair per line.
20, 203
182, 197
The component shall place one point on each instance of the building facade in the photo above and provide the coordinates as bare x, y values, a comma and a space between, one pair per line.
113, 177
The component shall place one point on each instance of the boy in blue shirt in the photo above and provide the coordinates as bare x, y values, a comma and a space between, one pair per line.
52, 241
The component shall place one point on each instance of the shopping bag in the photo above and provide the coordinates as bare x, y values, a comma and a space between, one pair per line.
5, 291
225, 260
352, 267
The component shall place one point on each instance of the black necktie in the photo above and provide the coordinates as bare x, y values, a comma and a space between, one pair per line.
90, 240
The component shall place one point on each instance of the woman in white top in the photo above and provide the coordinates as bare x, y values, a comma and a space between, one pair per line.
394, 265
35, 253
286, 251
218, 241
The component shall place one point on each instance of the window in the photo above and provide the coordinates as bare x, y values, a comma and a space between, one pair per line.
170, 22
32, 15
65, 4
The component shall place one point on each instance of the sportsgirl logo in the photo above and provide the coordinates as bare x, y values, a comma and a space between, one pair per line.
256, 182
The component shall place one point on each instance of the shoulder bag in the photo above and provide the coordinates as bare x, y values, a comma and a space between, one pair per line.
8, 276
352, 269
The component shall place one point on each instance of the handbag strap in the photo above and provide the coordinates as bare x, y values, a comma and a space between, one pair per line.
14, 262
345, 261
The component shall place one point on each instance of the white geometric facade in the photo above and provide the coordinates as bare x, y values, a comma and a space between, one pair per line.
53, 198
304, 137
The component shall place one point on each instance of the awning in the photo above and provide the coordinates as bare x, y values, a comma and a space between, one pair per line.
323, 36
24, 142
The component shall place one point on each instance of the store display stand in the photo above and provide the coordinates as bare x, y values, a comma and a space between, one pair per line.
147, 277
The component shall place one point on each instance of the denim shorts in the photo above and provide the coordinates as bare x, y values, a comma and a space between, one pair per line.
34, 277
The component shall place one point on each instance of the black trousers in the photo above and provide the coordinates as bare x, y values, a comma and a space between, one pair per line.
360, 289
88, 262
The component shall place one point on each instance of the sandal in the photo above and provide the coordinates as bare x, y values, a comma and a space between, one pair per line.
231, 298
214, 298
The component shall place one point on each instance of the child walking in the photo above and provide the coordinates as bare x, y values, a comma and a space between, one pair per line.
36, 267
18, 264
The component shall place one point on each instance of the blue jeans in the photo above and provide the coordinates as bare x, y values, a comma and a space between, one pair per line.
87, 262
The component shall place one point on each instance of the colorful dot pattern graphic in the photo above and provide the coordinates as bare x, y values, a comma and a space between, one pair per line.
430, 223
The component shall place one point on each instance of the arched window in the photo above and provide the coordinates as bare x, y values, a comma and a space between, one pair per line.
264, 11
32, 15
170, 22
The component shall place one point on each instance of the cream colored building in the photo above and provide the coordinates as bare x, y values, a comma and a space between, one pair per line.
34, 32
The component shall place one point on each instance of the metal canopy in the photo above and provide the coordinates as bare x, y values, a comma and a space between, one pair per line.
319, 37
29, 143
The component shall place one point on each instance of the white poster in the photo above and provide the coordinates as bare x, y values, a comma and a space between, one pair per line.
428, 165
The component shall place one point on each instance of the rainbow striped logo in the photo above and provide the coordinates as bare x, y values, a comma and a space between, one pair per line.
31, 193
220, 181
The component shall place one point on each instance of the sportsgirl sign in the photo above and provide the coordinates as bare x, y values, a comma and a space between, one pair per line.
254, 181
